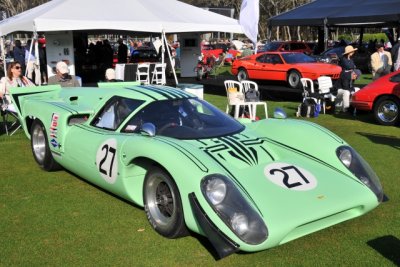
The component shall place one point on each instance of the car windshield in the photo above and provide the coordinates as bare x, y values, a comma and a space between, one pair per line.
291, 58
338, 51
184, 119
271, 46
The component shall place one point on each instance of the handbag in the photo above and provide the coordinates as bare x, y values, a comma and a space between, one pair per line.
252, 95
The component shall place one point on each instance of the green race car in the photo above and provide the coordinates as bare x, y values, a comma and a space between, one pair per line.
244, 185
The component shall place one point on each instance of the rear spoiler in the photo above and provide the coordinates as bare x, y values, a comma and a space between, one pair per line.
19, 94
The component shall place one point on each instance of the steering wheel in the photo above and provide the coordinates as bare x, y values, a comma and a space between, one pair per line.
166, 126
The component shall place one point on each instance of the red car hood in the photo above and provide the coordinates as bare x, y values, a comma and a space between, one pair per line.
318, 67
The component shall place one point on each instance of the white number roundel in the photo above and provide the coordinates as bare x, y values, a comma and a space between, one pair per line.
290, 176
107, 161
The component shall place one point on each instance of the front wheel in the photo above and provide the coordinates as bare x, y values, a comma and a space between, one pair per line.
40, 147
386, 110
242, 75
293, 79
162, 203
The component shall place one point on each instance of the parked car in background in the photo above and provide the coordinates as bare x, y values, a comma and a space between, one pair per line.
382, 97
283, 66
144, 54
361, 58
291, 46
217, 49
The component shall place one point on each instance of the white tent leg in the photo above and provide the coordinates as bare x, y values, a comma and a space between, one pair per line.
170, 58
3, 55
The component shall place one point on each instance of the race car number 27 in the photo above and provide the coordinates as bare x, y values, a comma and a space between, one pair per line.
290, 176
106, 160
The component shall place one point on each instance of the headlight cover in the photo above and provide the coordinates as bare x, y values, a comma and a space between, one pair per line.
361, 169
234, 209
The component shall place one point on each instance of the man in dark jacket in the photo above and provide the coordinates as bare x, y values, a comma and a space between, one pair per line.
122, 52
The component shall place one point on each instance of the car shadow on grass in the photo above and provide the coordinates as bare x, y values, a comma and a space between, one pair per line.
388, 246
391, 141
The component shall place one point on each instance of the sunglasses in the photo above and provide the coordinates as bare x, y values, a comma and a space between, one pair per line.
17, 67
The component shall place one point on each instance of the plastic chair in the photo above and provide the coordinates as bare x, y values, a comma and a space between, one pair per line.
247, 85
324, 87
143, 73
159, 74
235, 95
308, 90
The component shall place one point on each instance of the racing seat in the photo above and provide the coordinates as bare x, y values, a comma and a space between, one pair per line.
235, 95
248, 85
143, 73
9, 115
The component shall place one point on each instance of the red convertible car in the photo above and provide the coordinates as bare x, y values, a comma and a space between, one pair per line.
382, 97
283, 66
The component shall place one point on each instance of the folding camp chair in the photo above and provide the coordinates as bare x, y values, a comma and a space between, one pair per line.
9, 116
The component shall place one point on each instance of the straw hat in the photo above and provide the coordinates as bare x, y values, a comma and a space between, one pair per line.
348, 49
62, 67
110, 74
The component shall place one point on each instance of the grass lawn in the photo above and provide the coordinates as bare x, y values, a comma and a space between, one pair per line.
58, 219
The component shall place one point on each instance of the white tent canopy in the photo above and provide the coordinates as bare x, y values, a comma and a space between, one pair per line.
170, 16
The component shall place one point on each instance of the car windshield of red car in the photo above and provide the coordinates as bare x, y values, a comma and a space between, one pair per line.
291, 58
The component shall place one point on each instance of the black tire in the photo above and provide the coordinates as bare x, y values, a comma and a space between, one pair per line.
293, 79
242, 75
40, 147
163, 205
386, 110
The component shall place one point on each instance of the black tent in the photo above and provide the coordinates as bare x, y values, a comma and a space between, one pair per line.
357, 13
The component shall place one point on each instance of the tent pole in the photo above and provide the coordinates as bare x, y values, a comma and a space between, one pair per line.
170, 58
325, 34
3, 55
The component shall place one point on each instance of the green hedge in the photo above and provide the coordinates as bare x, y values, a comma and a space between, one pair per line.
366, 38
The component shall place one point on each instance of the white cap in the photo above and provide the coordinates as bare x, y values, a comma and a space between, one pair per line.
62, 67
110, 74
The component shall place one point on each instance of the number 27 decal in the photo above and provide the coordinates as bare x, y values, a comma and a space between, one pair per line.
107, 161
290, 176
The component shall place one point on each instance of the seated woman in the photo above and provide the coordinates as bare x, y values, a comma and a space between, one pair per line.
344, 86
14, 78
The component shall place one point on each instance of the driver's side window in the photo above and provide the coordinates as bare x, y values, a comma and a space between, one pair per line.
114, 112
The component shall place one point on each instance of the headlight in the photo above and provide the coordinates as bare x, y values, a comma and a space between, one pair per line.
216, 191
234, 210
361, 169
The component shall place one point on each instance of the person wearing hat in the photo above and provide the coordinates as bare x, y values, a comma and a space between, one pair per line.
63, 77
381, 62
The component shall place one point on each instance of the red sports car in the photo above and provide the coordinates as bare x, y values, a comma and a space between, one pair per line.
217, 49
382, 97
283, 66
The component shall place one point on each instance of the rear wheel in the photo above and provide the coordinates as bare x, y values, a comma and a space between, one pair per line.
40, 147
242, 75
293, 79
386, 110
163, 205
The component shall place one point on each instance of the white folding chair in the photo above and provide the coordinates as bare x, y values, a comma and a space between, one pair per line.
158, 76
7, 110
308, 89
247, 85
324, 88
143, 73
235, 95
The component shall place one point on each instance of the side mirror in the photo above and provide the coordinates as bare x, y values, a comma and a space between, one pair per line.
279, 114
149, 129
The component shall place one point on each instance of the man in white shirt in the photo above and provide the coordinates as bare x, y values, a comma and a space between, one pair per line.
381, 62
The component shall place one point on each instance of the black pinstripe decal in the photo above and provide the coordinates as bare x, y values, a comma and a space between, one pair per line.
171, 91
143, 93
157, 92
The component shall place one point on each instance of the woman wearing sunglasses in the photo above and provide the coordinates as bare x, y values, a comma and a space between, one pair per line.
14, 78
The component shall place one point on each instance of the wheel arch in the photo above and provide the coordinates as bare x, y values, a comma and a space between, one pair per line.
384, 95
